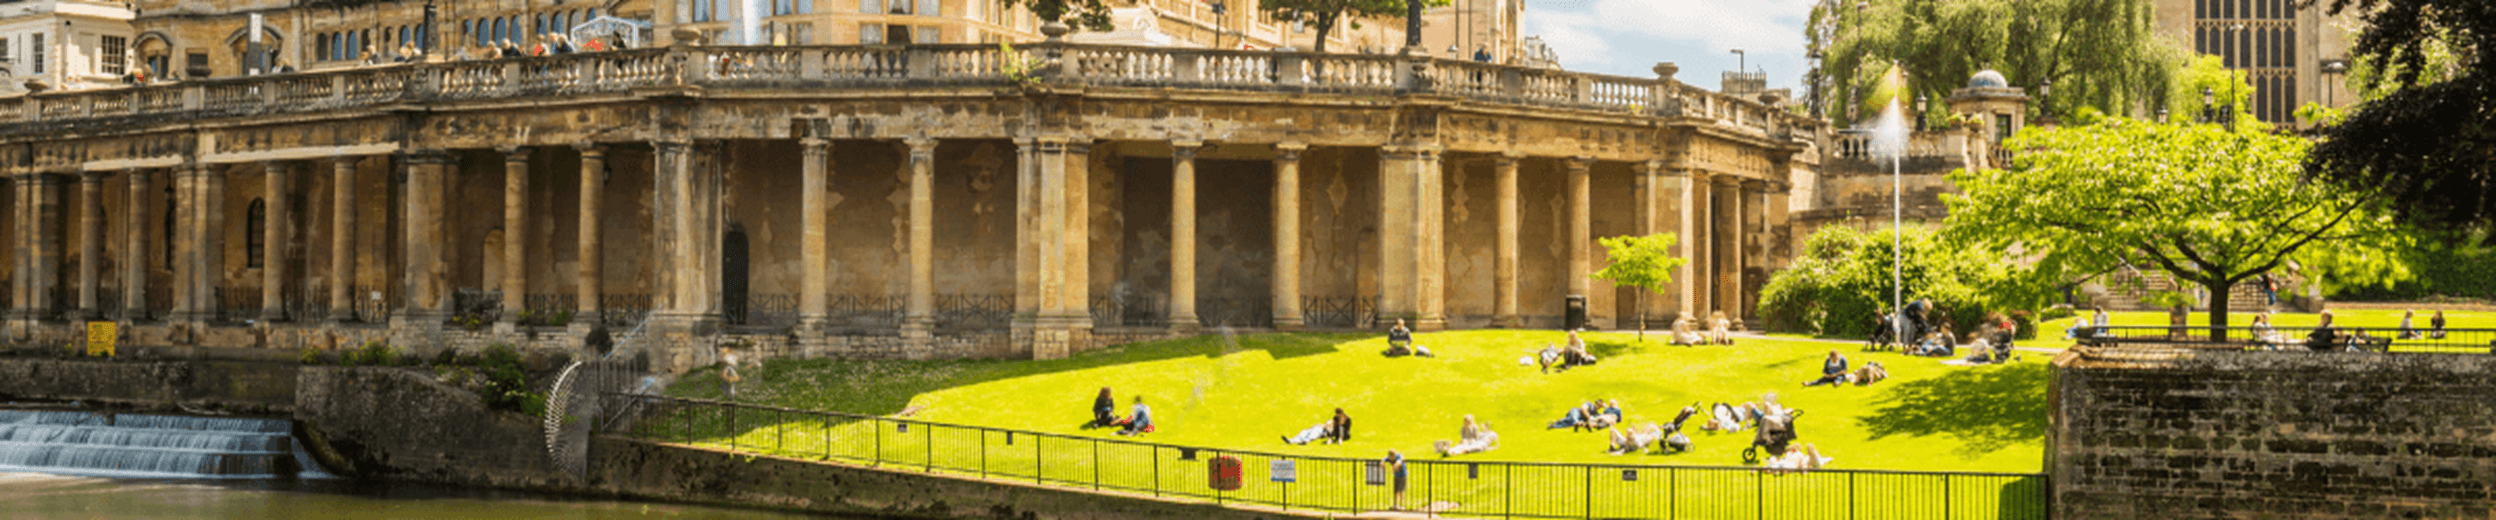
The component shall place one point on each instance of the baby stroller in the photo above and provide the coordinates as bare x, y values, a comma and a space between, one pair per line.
1884, 334
1774, 433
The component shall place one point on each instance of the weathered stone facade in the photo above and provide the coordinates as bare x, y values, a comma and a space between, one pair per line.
2233, 434
919, 193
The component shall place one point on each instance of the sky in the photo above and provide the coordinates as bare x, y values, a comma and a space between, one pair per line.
1628, 37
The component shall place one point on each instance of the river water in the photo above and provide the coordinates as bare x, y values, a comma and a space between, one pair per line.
38, 496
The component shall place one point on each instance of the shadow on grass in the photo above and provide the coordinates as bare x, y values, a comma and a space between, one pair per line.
886, 387
1987, 409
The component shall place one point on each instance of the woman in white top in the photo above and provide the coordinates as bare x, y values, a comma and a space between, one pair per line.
1475, 437
1721, 331
1686, 332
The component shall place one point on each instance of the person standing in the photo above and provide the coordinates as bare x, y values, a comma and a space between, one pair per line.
1395, 467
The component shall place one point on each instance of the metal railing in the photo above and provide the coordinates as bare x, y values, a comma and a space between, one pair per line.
886, 66
974, 311
1446, 487
762, 310
2422, 339
623, 309
1129, 310
1339, 312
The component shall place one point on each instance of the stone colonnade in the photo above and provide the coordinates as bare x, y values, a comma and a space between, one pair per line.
1719, 217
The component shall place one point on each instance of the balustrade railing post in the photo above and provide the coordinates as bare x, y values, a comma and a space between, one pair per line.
1584, 91
810, 64
922, 62
1184, 68
1290, 68
1511, 83
511, 79
193, 97
337, 89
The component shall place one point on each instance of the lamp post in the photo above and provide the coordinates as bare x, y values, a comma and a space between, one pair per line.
1742, 62
2209, 112
2045, 101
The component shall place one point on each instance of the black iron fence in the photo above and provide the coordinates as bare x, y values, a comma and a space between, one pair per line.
974, 311
2474, 341
762, 309
1339, 312
373, 304
1248, 312
1337, 484
623, 309
866, 311
238, 304
1129, 310
549, 309
473, 308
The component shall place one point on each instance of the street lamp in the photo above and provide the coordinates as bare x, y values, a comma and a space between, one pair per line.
2209, 112
2045, 101
1742, 61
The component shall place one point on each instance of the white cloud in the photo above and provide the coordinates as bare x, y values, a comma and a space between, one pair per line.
1628, 36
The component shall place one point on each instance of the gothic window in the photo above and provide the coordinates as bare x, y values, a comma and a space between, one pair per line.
255, 242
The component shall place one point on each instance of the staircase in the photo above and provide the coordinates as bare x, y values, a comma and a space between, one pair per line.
150, 446
2123, 291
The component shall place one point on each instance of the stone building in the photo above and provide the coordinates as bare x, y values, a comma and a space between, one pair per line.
1856, 187
932, 200
63, 44
2292, 52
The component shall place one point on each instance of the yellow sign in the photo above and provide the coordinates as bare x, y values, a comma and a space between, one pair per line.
100, 335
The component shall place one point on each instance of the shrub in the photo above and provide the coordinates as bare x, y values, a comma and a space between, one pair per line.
309, 356
1841, 283
506, 380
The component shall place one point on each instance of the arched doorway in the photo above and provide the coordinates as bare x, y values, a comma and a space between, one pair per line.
732, 277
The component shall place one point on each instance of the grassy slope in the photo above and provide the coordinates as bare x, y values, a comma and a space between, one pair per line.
1244, 395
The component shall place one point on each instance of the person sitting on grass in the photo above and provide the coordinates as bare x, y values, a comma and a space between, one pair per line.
1940, 343
1399, 340
2436, 325
2079, 329
1871, 372
1832, 371
1686, 333
1104, 410
2408, 332
1575, 354
2101, 320
1335, 430
1635, 440
1723, 417
1798, 458
1475, 437
2263, 334
1142, 422
1576, 418
1720, 331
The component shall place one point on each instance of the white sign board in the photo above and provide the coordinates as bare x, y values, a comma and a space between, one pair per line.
1285, 471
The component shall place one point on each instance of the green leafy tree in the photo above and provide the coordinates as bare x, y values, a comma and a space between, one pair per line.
2227, 89
1841, 283
2426, 131
2207, 205
1092, 15
1325, 14
1644, 262
2102, 54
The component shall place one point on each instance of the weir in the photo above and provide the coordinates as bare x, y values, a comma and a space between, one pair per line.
150, 446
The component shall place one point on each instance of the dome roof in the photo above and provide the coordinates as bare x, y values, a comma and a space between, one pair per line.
1987, 79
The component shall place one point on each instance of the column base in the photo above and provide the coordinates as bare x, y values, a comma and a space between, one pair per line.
1185, 325
1292, 323
505, 327
272, 314
1429, 324
918, 338
1053, 336
1507, 321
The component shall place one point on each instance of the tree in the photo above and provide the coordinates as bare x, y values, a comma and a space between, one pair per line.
1841, 282
1324, 14
1643, 262
2207, 205
2102, 54
1090, 15
2429, 145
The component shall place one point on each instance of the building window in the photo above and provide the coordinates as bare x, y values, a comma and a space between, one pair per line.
255, 242
801, 34
781, 7
195, 64
34, 46
870, 34
928, 34
930, 8
116, 55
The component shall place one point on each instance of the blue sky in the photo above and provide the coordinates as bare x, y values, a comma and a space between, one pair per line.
1627, 37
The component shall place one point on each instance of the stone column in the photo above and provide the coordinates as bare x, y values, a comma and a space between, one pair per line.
49, 225
1581, 228
815, 260
1504, 248
20, 303
592, 283
90, 241
185, 246
1408, 240
1026, 234
342, 206
687, 212
919, 323
515, 235
1755, 246
1693, 276
1061, 236
1643, 223
134, 249
1287, 312
275, 192
1183, 236
1728, 244
425, 271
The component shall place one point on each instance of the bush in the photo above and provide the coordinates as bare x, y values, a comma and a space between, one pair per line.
310, 356
1841, 283
506, 380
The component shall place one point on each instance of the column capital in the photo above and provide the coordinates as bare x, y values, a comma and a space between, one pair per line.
1754, 184
590, 148
920, 147
1724, 180
514, 153
345, 161
814, 142
1185, 149
276, 167
1581, 162
429, 156
1652, 167
92, 176
136, 174
670, 145
1289, 150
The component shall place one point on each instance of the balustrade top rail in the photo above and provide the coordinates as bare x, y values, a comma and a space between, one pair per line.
871, 66
2374, 339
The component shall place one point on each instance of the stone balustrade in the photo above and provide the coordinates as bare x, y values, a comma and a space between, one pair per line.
894, 66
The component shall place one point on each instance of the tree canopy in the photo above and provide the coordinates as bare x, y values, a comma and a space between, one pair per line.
1325, 14
1840, 283
2102, 54
2208, 205
1644, 262
2429, 141
1090, 15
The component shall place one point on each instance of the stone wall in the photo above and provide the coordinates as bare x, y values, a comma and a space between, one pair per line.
2273, 434
238, 385
642, 469
402, 425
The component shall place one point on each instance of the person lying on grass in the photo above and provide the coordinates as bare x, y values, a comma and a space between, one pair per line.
1142, 422
1335, 430
1798, 458
1475, 437
1576, 418
1832, 371
1635, 440
1609, 414
1104, 410
1871, 372
1724, 418
1686, 332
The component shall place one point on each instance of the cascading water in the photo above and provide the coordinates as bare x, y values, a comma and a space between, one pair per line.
150, 446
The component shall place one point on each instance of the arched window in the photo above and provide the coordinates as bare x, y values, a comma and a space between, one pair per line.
497, 34
256, 224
